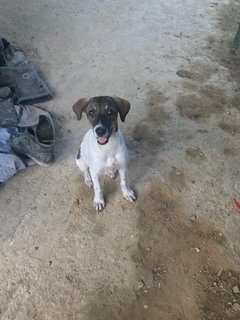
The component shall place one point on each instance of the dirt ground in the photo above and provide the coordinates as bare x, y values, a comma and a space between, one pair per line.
175, 253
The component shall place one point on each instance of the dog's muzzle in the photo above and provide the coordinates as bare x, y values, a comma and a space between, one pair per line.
102, 135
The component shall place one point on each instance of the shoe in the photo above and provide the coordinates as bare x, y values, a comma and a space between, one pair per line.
7, 55
28, 145
44, 130
28, 86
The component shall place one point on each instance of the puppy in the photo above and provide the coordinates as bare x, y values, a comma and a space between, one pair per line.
103, 150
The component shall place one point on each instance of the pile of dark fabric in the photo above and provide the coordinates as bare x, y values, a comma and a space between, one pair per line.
26, 132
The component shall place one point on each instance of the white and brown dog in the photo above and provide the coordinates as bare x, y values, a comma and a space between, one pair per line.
103, 150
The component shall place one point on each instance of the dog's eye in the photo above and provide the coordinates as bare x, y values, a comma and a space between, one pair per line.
109, 112
91, 113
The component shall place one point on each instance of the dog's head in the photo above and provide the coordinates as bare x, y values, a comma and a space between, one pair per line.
102, 113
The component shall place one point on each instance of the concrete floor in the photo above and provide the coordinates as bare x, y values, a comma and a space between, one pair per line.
175, 253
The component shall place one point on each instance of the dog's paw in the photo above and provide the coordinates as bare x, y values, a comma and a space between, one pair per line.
113, 174
129, 195
99, 204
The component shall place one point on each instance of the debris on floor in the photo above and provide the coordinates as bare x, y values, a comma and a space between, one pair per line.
236, 203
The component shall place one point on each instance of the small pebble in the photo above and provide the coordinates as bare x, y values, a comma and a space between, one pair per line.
146, 306
236, 306
140, 284
193, 217
236, 289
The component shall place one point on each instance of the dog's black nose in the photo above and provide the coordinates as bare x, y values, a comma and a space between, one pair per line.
100, 131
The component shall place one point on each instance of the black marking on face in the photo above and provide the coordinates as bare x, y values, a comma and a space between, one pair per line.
102, 114
115, 103
79, 154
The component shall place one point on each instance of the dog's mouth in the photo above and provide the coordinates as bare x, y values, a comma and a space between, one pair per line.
102, 140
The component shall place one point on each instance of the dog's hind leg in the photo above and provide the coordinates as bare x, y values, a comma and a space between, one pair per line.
84, 168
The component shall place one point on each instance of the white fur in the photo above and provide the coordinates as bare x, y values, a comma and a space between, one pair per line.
96, 159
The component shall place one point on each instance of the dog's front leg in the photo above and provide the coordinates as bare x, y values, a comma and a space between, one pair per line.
98, 201
128, 193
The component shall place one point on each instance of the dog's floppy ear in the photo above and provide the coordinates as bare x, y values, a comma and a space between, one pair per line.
79, 107
123, 107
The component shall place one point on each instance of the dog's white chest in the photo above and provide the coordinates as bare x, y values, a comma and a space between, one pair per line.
102, 159
111, 162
